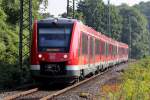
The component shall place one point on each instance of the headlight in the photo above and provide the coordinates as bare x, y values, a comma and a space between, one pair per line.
40, 56
65, 56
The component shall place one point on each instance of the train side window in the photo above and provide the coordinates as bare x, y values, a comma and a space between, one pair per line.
109, 49
97, 47
112, 50
115, 50
84, 44
103, 48
91, 47
79, 48
106, 49
119, 51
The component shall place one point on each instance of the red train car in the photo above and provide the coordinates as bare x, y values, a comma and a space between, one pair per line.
67, 49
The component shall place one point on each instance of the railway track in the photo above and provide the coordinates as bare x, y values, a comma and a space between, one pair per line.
38, 94
15, 96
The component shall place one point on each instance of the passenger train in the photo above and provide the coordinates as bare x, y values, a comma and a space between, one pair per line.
66, 49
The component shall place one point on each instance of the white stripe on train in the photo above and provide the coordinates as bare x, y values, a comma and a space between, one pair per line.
81, 67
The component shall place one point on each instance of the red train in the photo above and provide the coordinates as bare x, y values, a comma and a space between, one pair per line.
66, 49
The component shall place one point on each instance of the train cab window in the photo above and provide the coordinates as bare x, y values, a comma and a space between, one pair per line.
84, 44
54, 38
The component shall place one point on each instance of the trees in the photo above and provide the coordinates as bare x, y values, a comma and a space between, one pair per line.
134, 31
9, 15
115, 23
145, 9
11, 9
123, 21
93, 11
95, 14
9, 29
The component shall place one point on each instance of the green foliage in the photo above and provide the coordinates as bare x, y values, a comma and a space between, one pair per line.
144, 7
10, 73
10, 76
11, 8
116, 23
95, 14
123, 21
136, 81
134, 29
46, 15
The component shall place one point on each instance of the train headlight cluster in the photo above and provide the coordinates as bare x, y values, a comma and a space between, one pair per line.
40, 56
65, 56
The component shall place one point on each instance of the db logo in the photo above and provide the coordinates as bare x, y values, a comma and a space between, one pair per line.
52, 57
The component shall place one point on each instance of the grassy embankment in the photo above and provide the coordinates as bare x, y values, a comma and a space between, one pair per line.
135, 84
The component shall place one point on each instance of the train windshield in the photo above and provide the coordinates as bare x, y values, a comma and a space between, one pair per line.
54, 39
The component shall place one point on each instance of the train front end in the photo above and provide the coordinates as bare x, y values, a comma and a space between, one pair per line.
50, 50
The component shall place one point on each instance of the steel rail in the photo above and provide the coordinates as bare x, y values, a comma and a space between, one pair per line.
12, 97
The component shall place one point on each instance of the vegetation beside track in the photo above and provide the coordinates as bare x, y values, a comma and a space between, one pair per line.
10, 73
135, 84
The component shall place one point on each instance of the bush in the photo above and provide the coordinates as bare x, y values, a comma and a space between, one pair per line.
9, 76
136, 81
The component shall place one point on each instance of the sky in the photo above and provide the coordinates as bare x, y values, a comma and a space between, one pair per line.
56, 7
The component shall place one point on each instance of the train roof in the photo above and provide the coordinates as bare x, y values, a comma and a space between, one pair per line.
58, 20
104, 37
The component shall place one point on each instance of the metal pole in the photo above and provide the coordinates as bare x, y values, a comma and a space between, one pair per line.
148, 17
20, 33
67, 8
109, 30
130, 36
30, 21
30, 16
25, 24
73, 9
